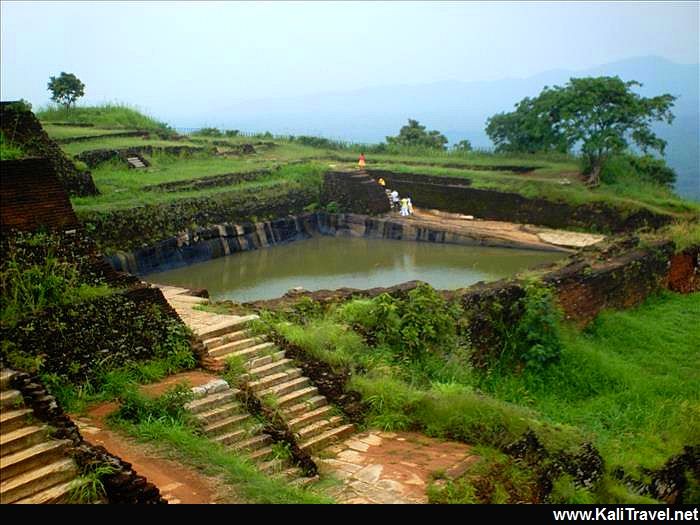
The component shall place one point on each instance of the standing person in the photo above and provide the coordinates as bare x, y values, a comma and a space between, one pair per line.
404, 207
409, 205
395, 199
361, 161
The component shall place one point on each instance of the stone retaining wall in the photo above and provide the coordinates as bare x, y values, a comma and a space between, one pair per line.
203, 244
20, 126
452, 194
582, 289
354, 192
95, 157
33, 197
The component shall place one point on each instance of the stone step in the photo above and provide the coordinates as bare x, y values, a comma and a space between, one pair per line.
23, 437
253, 443
298, 383
188, 299
248, 353
23, 460
219, 413
211, 401
57, 494
274, 379
214, 342
296, 410
270, 368
224, 425
319, 427
5, 378
264, 360
261, 454
13, 419
304, 481
296, 397
273, 466
224, 327
37, 480
231, 437
11, 399
230, 348
325, 439
289, 474
306, 418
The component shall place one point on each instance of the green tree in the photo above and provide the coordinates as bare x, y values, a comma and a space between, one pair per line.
414, 134
602, 115
463, 145
531, 128
605, 115
66, 89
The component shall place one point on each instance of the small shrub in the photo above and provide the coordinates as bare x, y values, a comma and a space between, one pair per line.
170, 407
333, 207
537, 334
209, 132
88, 488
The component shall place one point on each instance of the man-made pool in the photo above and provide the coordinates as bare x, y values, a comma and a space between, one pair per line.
334, 262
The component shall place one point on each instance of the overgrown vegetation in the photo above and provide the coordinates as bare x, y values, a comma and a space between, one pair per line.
38, 271
9, 150
553, 390
165, 423
86, 339
111, 115
88, 487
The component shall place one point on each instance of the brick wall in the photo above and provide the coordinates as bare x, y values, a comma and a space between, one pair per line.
31, 197
453, 194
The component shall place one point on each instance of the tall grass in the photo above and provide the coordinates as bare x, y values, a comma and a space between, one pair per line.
631, 380
237, 472
9, 150
109, 115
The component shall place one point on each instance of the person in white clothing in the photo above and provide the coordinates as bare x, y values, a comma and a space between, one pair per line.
395, 199
409, 205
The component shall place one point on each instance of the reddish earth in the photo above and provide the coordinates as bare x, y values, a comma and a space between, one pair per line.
176, 482
194, 378
683, 275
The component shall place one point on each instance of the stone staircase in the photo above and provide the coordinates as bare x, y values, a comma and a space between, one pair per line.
279, 384
136, 161
33, 467
265, 368
225, 420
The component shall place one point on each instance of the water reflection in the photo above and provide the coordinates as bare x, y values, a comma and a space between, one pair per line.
331, 262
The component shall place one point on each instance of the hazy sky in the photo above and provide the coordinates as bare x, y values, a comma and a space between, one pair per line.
160, 54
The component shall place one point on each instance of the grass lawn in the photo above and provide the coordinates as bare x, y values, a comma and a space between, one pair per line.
68, 132
631, 380
75, 148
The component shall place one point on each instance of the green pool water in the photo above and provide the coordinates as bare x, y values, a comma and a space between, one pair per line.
334, 262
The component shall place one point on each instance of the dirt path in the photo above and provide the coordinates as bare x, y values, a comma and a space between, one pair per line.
177, 483
387, 467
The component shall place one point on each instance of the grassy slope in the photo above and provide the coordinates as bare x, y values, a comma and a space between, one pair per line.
69, 132
117, 116
631, 380
120, 187
75, 148
630, 384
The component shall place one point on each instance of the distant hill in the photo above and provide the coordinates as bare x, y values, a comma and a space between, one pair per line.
460, 109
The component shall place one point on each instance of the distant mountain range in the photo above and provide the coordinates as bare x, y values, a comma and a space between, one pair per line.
460, 109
